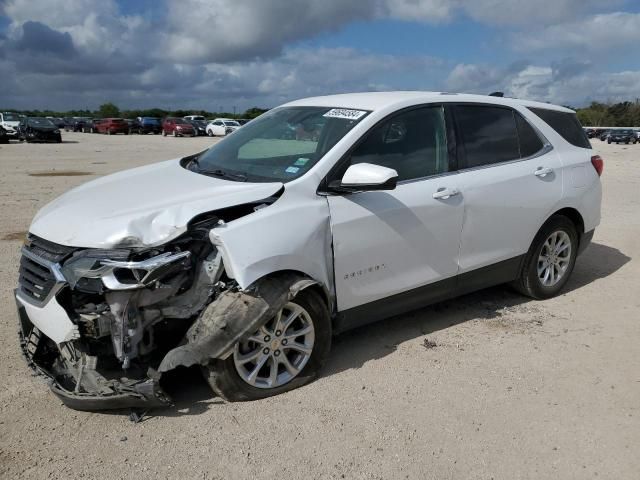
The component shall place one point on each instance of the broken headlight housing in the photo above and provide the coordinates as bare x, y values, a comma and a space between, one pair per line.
116, 271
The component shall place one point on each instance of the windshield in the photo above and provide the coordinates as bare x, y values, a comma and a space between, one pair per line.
280, 145
625, 132
10, 117
180, 120
40, 122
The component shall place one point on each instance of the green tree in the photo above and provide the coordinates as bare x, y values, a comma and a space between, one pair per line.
108, 110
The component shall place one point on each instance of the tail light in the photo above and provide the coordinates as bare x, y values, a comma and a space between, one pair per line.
598, 164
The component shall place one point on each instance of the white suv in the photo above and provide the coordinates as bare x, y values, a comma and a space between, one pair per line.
220, 127
10, 121
321, 215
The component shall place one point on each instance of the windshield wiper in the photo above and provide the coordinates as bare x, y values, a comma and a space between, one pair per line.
238, 177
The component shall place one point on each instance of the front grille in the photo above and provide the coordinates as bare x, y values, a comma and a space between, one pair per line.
39, 258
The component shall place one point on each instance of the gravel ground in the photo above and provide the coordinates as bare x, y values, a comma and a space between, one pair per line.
490, 385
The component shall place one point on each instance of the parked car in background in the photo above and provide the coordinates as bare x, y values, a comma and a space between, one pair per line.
90, 126
604, 135
637, 134
38, 129
9, 121
220, 127
132, 123
622, 136
149, 125
243, 121
194, 261
178, 127
112, 126
79, 123
199, 126
57, 121
4, 138
195, 117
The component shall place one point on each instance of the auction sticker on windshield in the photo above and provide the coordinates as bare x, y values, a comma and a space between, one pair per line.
345, 113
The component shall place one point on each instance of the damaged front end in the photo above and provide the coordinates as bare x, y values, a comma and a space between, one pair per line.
98, 323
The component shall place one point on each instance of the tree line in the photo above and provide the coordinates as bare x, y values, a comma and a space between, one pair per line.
110, 110
623, 114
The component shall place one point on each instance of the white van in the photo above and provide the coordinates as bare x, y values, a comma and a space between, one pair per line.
321, 215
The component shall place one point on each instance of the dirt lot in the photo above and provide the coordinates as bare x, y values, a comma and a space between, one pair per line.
504, 388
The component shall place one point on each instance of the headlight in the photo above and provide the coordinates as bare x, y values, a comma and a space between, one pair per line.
117, 273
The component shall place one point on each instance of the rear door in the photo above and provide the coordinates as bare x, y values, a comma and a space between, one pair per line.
511, 179
388, 243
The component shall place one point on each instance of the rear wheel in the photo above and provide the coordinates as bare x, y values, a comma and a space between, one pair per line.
284, 354
550, 260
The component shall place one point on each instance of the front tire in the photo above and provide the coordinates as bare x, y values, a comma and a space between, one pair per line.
550, 260
284, 354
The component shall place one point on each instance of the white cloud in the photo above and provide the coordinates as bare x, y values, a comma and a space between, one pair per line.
546, 84
598, 33
208, 52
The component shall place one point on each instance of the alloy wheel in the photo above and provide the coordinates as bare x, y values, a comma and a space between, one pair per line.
554, 258
278, 351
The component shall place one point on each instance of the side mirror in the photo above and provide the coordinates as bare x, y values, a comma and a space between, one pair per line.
363, 177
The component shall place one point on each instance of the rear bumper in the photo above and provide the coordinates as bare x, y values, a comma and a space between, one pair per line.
113, 394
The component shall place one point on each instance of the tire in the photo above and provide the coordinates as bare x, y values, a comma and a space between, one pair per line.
226, 382
609, 142
529, 282
210, 133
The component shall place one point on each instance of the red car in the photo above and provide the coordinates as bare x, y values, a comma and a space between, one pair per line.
111, 126
178, 127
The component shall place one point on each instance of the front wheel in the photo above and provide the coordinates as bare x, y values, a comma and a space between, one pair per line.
284, 354
210, 133
550, 260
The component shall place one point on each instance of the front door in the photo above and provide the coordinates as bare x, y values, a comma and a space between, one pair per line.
387, 244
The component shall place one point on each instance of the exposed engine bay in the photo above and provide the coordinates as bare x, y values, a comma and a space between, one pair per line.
136, 313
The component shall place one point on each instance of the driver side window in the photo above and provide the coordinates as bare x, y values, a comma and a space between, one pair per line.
413, 143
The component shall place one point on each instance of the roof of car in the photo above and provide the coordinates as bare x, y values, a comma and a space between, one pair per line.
380, 100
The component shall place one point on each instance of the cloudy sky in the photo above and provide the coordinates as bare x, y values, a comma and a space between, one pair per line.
214, 54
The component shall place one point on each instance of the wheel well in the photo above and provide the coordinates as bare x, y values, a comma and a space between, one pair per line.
573, 215
317, 287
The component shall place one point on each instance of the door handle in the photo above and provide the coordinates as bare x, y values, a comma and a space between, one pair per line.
444, 193
543, 172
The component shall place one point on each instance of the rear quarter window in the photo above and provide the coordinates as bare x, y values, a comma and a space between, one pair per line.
488, 133
565, 124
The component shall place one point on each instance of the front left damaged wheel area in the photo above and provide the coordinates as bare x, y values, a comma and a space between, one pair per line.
285, 353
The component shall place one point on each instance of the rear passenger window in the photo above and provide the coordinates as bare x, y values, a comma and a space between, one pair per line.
530, 142
565, 124
489, 134
413, 143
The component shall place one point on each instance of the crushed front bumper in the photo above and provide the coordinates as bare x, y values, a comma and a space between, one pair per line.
111, 394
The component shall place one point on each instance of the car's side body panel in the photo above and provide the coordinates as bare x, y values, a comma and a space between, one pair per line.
389, 242
294, 234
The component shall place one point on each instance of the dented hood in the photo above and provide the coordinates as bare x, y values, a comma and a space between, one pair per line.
144, 206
